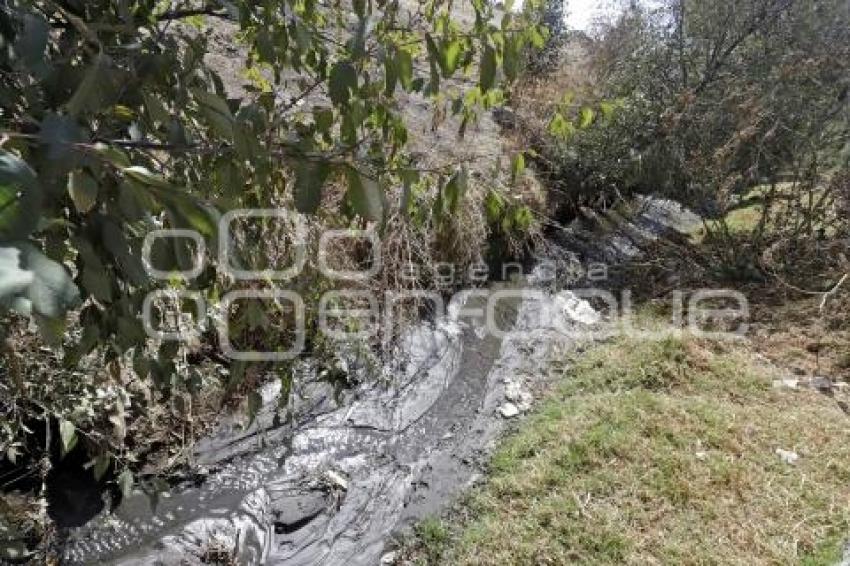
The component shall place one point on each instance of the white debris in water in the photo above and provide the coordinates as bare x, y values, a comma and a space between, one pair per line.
509, 410
270, 392
787, 456
576, 309
822, 384
516, 394
337, 480
667, 213
389, 558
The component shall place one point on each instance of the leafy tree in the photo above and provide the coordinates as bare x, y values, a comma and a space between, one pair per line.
115, 123
714, 99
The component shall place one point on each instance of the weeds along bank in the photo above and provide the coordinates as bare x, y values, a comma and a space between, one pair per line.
125, 121
682, 450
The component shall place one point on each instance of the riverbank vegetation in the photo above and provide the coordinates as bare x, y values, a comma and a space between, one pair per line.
687, 450
720, 106
124, 120
460, 135
680, 450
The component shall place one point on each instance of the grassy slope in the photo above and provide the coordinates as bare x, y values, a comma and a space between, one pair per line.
660, 452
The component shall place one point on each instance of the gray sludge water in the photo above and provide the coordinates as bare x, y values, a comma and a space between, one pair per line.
332, 485
332, 488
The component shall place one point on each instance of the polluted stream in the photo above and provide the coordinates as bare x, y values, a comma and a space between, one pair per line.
346, 472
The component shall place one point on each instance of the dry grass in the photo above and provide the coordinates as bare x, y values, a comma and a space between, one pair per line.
536, 97
663, 452
796, 335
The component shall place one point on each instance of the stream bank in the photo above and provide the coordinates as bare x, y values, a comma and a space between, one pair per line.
333, 483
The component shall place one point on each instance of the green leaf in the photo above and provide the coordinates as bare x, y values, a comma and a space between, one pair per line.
450, 53
128, 260
538, 39
404, 65
390, 75
487, 77
310, 177
20, 198
123, 113
586, 117
245, 141
517, 166
494, 204
130, 332
67, 435
146, 177
88, 341
101, 465
512, 58
95, 88
125, 483
215, 111
357, 44
94, 277
60, 134
186, 210
83, 190
255, 403
134, 201
364, 194
52, 330
32, 283
446, 54
227, 176
32, 42
608, 108
409, 178
454, 190
112, 154
324, 119
523, 218
14, 280
342, 82
156, 109
560, 127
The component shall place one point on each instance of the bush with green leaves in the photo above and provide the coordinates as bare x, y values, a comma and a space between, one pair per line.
714, 99
115, 122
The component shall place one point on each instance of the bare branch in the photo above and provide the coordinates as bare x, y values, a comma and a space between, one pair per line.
214, 11
832, 292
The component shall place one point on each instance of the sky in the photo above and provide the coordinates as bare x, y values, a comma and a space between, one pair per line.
580, 13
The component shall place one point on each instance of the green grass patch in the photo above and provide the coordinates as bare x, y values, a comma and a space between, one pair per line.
743, 219
661, 451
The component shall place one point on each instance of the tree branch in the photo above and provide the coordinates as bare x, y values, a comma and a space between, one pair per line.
214, 11
832, 292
